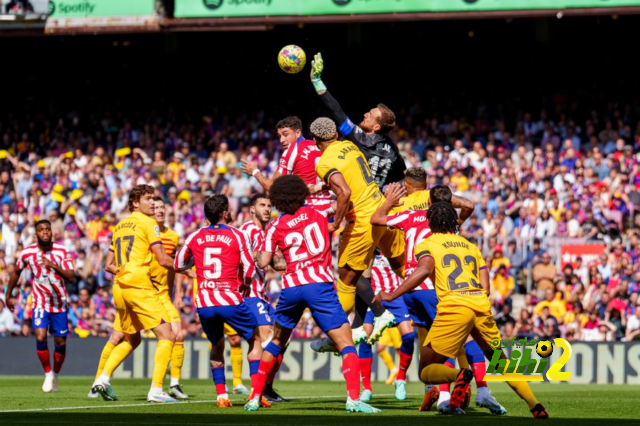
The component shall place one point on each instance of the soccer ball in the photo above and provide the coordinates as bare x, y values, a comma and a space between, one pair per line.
544, 348
292, 59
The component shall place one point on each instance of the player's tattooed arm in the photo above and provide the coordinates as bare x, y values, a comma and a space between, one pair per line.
278, 263
466, 207
425, 267
252, 169
392, 195
343, 194
263, 259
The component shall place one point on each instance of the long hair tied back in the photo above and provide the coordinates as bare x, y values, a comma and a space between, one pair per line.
443, 218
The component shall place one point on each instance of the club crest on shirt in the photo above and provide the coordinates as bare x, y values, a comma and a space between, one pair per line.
157, 230
38, 321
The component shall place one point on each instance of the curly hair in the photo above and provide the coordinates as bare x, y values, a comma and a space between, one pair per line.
293, 123
323, 129
440, 193
443, 218
42, 222
214, 206
137, 192
416, 174
288, 193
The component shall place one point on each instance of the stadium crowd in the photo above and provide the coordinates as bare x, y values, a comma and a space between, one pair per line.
538, 181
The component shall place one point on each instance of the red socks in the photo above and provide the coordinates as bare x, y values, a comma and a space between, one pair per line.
276, 366
479, 371
263, 372
365, 372
405, 362
45, 359
351, 372
59, 354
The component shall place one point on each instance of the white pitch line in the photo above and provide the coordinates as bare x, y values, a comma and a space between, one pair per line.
148, 404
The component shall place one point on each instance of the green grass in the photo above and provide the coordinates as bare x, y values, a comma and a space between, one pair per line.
315, 403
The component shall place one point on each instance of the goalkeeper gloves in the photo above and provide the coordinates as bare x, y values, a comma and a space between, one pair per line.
317, 65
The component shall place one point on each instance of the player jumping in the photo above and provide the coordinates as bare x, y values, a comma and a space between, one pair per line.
345, 169
462, 285
256, 298
301, 233
300, 158
50, 265
222, 258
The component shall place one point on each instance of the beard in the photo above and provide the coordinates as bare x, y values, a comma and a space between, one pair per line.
364, 127
43, 243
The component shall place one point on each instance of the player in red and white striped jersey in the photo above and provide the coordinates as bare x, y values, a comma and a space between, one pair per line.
382, 276
50, 266
224, 267
256, 297
300, 158
302, 234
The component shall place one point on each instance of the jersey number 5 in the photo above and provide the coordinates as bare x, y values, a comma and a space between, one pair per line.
468, 260
213, 263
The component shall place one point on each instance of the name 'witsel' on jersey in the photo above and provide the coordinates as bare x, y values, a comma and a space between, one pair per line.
303, 238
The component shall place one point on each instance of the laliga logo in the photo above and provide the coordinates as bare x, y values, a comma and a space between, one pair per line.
515, 370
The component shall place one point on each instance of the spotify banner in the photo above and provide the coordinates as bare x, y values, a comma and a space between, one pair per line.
246, 8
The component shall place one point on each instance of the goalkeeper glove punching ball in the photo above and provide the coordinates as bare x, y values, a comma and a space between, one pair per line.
317, 65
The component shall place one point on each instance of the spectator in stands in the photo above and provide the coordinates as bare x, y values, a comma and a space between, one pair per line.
544, 275
8, 324
503, 286
552, 301
633, 326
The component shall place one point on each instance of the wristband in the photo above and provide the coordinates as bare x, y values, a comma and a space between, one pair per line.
319, 85
255, 172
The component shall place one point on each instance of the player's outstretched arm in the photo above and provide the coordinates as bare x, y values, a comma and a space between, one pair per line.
317, 66
13, 279
253, 170
343, 195
184, 261
278, 263
425, 267
392, 195
466, 207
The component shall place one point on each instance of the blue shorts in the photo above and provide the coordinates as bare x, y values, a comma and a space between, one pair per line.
320, 298
239, 317
397, 307
262, 310
56, 324
423, 306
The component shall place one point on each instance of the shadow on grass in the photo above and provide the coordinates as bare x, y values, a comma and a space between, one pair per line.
320, 416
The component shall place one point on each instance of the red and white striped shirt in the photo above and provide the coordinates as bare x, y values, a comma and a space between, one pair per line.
256, 238
303, 238
415, 226
382, 276
301, 159
49, 292
223, 263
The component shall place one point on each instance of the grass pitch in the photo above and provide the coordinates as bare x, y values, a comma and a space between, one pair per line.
313, 403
